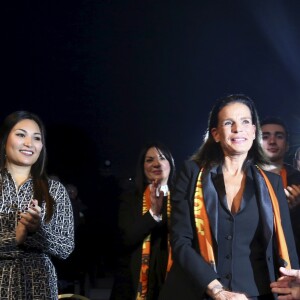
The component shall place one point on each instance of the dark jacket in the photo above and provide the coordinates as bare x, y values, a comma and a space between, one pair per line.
293, 177
190, 274
134, 227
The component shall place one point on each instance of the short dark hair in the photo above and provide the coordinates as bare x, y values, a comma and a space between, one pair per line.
277, 121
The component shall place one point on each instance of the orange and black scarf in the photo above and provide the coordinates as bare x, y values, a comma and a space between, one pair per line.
143, 280
204, 231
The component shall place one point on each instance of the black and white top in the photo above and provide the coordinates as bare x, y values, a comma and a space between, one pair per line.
26, 272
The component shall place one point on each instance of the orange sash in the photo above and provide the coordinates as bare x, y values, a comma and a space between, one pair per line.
143, 281
204, 231
282, 247
283, 175
202, 225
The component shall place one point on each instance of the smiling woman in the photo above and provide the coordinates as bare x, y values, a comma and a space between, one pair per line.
144, 220
23, 147
36, 212
230, 223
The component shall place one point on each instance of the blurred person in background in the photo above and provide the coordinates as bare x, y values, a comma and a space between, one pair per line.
296, 161
275, 143
72, 271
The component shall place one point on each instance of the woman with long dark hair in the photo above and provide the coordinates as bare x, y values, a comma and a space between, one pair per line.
35, 212
144, 225
230, 222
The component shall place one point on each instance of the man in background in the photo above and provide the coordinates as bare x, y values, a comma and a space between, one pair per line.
275, 142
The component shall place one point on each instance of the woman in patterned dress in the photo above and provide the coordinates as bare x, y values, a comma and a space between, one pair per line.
36, 218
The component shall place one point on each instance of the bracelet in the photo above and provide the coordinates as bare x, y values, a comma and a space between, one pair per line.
218, 292
219, 289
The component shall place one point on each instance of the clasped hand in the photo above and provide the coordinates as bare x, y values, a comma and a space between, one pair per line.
28, 221
156, 199
288, 285
292, 193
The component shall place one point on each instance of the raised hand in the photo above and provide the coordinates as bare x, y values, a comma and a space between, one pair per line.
156, 197
31, 218
292, 193
288, 285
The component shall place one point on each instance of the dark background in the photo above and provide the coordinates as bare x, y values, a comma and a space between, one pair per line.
107, 76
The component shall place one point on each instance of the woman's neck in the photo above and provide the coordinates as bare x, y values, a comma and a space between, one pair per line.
232, 166
19, 174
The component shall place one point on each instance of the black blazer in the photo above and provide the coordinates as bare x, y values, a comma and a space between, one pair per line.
190, 274
134, 227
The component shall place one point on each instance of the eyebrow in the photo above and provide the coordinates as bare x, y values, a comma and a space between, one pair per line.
160, 155
275, 133
23, 130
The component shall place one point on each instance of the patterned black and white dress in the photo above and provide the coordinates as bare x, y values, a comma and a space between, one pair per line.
26, 272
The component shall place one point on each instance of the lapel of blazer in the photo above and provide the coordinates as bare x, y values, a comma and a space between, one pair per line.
209, 180
264, 203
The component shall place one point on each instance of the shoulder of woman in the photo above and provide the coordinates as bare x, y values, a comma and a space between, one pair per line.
275, 179
189, 170
190, 164
272, 176
55, 184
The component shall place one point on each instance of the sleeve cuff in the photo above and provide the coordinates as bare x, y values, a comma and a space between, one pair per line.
155, 217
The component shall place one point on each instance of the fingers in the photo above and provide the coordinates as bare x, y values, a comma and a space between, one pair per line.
290, 272
280, 284
34, 206
31, 223
155, 190
156, 185
31, 216
292, 193
278, 288
227, 295
156, 197
284, 293
296, 189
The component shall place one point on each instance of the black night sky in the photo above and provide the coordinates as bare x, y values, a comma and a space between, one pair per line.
107, 76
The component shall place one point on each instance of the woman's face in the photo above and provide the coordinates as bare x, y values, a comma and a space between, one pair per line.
24, 144
156, 166
235, 131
